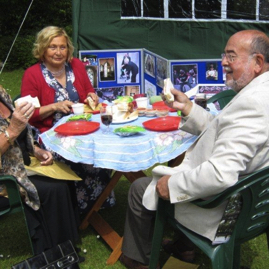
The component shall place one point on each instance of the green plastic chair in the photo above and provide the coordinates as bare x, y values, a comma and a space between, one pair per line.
253, 220
223, 98
14, 199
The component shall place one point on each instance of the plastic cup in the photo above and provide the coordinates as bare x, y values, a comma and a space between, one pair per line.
142, 102
200, 99
78, 108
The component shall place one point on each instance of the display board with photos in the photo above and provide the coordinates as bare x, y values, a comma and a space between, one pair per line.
114, 72
207, 75
156, 69
128, 72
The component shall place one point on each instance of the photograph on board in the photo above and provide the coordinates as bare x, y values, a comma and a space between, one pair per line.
212, 71
150, 89
132, 90
161, 71
106, 68
128, 67
149, 63
92, 74
109, 94
184, 76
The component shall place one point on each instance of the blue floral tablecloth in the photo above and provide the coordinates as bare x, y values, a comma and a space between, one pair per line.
126, 154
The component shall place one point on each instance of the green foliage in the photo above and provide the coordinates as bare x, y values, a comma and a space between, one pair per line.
41, 14
21, 54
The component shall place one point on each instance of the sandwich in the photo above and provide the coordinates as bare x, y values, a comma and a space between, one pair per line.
92, 104
168, 85
29, 99
128, 107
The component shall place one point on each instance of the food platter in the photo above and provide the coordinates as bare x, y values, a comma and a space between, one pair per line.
163, 124
77, 127
120, 120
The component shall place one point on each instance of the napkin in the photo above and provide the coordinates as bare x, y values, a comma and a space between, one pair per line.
57, 170
150, 197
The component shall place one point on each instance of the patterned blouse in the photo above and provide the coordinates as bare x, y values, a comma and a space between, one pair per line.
61, 93
12, 160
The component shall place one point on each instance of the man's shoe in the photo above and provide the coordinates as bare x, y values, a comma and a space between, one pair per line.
179, 250
132, 264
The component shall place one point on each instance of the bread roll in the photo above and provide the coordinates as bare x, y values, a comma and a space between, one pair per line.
168, 85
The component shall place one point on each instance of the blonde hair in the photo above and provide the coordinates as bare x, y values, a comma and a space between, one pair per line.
44, 38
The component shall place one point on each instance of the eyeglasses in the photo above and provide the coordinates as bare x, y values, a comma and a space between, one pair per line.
230, 58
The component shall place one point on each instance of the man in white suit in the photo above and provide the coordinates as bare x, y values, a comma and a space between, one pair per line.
229, 145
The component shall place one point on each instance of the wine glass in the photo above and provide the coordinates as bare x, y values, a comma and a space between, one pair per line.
106, 113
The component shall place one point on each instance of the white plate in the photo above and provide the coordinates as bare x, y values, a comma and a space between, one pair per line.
119, 121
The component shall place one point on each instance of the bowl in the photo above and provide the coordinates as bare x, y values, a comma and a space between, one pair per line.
162, 112
141, 111
150, 112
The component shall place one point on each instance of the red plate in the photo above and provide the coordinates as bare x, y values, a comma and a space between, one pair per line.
77, 127
162, 124
162, 105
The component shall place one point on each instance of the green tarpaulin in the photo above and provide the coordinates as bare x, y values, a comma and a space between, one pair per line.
97, 25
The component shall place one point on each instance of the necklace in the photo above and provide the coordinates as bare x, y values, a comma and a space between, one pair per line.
57, 73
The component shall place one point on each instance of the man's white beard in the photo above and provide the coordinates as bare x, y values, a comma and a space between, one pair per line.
242, 81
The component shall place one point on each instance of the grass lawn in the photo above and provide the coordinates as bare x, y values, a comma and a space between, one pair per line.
14, 246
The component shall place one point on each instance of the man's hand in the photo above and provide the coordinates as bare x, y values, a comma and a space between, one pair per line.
181, 102
162, 188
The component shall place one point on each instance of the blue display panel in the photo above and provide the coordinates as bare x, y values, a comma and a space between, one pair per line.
114, 72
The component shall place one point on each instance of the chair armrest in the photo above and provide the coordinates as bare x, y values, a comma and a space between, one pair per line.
241, 185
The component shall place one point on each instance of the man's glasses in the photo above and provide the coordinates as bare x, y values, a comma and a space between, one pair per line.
230, 58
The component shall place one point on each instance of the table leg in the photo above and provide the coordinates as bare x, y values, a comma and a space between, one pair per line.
110, 236
110, 186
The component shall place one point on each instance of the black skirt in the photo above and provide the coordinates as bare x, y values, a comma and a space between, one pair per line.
57, 220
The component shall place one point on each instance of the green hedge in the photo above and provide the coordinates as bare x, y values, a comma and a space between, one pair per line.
21, 53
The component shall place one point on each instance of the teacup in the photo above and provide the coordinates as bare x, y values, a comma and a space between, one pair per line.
142, 102
78, 108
